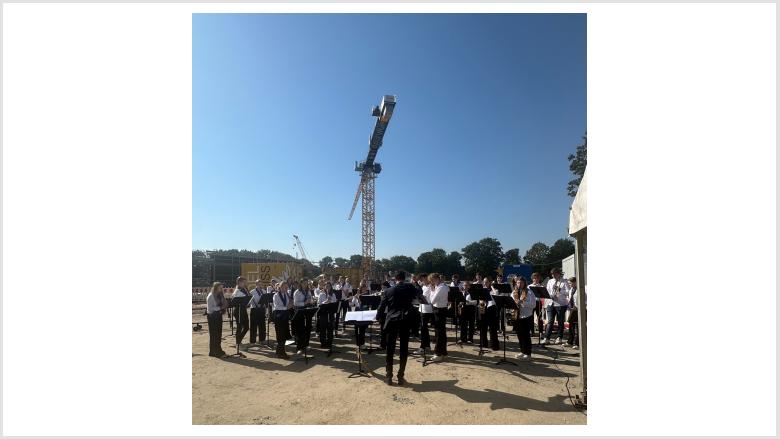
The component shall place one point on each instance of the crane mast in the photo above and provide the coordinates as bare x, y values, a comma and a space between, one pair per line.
368, 170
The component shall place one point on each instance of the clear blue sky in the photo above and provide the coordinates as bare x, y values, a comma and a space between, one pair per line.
489, 107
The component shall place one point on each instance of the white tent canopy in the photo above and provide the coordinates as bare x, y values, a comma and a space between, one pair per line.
578, 216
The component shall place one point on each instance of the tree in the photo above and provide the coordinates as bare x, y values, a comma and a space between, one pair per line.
341, 262
400, 262
577, 163
434, 261
326, 262
355, 261
512, 256
453, 265
537, 255
483, 256
561, 249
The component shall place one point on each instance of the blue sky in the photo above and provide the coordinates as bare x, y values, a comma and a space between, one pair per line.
489, 107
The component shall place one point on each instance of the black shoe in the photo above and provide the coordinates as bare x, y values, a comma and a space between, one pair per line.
389, 380
401, 380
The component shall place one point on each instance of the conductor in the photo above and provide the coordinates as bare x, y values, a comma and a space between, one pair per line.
396, 307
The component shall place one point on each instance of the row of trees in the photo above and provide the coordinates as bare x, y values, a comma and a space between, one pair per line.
483, 256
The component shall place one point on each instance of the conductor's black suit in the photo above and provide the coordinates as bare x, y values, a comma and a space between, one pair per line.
396, 307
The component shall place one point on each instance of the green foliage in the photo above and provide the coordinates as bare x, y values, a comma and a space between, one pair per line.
355, 261
561, 249
538, 254
545, 258
400, 262
483, 256
577, 163
512, 256
341, 262
326, 262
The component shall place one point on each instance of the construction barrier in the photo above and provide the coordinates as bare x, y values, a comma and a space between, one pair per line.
199, 294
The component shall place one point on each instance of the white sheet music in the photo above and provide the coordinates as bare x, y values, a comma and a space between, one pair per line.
361, 316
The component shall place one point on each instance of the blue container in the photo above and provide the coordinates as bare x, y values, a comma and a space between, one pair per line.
524, 270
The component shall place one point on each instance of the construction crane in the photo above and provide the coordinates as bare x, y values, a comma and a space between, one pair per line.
300, 247
368, 170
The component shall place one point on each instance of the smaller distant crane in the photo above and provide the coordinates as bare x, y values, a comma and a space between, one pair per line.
300, 247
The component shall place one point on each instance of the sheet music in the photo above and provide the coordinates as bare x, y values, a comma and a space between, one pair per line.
361, 316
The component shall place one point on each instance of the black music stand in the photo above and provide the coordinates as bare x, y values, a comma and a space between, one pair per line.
308, 312
423, 301
329, 309
540, 293
267, 301
238, 302
368, 301
455, 296
509, 303
504, 290
340, 299
360, 372
478, 292
376, 287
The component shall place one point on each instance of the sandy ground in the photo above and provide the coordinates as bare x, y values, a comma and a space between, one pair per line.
464, 389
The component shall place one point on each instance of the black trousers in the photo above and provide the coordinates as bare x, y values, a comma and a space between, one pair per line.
539, 317
489, 323
467, 321
360, 334
302, 326
523, 328
282, 327
242, 323
440, 322
256, 324
215, 333
414, 322
343, 316
573, 339
325, 327
397, 330
425, 335
382, 334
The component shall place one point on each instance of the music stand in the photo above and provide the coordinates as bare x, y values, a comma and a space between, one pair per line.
540, 293
478, 292
359, 318
308, 312
329, 309
504, 302
423, 301
455, 296
504, 290
241, 302
266, 301
370, 302
376, 287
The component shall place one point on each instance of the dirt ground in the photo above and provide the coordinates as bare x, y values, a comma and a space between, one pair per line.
465, 389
